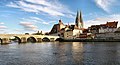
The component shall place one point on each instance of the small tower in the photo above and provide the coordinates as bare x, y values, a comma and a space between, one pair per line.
60, 21
79, 20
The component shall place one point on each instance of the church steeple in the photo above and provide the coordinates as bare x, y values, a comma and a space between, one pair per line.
79, 20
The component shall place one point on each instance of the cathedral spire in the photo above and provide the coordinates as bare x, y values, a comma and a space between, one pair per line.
79, 20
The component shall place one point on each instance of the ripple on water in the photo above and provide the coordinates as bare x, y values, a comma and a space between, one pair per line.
61, 53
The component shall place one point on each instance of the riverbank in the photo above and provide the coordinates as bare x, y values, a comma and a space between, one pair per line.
89, 40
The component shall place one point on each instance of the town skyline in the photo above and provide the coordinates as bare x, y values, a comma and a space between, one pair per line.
32, 15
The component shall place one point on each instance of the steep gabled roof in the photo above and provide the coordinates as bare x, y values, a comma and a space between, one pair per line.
112, 24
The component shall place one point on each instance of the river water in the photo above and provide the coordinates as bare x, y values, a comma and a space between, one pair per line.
61, 53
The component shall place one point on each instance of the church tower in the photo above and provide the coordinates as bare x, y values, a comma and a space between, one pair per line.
79, 20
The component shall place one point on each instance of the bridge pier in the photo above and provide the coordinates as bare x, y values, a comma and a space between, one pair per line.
5, 41
52, 39
39, 40
23, 40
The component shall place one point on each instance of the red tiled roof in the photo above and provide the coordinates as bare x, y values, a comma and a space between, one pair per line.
112, 24
108, 24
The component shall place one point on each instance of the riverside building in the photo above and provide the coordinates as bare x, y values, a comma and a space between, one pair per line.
103, 28
109, 35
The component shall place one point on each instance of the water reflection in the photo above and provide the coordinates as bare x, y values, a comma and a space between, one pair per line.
77, 48
61, 53
103, 53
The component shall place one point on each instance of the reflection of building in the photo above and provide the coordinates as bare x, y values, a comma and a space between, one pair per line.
69, 31
77, 46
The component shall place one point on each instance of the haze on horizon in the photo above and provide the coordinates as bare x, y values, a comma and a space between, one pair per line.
28, 16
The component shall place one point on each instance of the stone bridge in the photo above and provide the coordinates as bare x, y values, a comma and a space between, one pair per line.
22, 38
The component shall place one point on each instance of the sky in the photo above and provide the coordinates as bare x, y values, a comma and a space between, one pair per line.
28, 16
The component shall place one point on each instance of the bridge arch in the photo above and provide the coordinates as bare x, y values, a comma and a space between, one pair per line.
31, 39
17, 39
59, 39
46, 39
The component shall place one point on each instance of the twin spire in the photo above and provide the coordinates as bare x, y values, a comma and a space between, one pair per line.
79, 20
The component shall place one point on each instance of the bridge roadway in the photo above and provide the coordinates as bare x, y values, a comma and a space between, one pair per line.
22, 38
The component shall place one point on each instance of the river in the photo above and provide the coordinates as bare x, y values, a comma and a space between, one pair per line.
61, 53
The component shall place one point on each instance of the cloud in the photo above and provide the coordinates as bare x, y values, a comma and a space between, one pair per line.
3, 29
38, 20
29, 26
18, 30
103, 20
52, 8
11, 4
33, 21
1, 23
105, 4
2, 26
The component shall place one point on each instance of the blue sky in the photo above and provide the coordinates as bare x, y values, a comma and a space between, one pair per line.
21, 16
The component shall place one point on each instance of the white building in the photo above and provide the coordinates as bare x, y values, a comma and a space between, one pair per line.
109, 35
105, 30
71, 34
109, 27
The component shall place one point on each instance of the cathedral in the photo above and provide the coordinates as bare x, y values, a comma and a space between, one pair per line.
79, 20
73, 30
